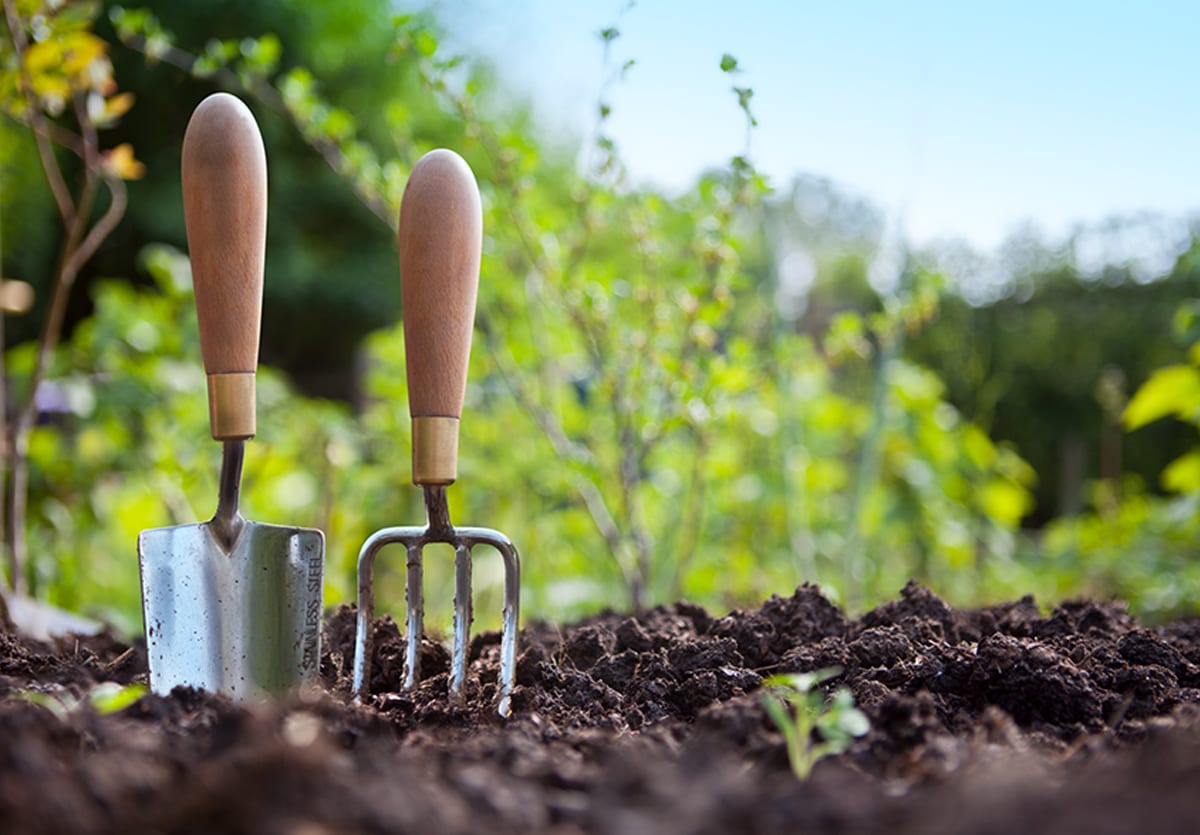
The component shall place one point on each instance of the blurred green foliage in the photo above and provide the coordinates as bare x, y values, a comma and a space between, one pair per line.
1031, 368
646, 418
1137, 545
776, 471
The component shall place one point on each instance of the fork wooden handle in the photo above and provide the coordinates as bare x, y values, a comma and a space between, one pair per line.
225, 211
440, 238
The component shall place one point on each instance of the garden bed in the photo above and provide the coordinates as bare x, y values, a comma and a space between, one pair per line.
994, 721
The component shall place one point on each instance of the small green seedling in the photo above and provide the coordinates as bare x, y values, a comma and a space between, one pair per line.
105, 698
812, 727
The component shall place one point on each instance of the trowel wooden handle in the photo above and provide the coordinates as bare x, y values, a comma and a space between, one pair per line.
225, 210
441, 234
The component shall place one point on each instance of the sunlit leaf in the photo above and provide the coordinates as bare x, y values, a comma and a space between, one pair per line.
120, 161
40, 57
426, 43
1173, 390
110, 697
81, 51
1004, 501
262, 53
118, 105
1183, 474
978, 447
56, 706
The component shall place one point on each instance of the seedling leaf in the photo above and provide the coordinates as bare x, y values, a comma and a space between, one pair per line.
811, 726
111, 697
56, 706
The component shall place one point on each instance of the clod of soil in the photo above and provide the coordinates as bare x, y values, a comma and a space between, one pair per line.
993, 721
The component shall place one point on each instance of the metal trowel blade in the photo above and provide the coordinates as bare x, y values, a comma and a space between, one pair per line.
245, 621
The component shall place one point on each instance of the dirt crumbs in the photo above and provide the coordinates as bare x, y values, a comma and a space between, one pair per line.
1002, 720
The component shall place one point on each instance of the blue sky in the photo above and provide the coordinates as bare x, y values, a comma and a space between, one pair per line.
964, 118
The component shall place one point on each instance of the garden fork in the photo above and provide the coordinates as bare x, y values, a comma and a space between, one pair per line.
440, 238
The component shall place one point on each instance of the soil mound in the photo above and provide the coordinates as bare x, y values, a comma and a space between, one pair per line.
991, 721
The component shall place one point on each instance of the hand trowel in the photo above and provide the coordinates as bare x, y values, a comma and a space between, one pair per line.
230, 605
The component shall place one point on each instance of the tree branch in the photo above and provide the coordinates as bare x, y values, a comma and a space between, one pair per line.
563, 446
265, 93
58, 186
105, 225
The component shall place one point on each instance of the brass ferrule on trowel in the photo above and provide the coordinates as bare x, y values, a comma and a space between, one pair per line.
434, 450
231, 412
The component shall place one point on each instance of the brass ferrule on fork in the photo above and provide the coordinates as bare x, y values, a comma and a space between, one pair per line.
231, 412
434, 450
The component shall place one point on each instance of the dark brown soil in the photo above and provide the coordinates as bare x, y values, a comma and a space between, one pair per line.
996, 721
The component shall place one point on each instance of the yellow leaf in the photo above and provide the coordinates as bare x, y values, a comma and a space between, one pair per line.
80, 50
1183, 474
40, 57
52, 90
1005, 502
118, 106
1173, 390
120, 161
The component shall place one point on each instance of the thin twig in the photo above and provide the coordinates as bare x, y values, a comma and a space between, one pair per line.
563, 446
91, 142
64, 280
105, 225
60, 136
327, 148
692, 519
607, 526
5, 451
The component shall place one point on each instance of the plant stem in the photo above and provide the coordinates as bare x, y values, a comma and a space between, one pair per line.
58, 185
80, 244
328, 149
869, 466
4, 427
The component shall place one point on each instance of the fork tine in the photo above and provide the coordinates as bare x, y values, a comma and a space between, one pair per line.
462, 620
363, 618
512, 611
512, 605
414, 629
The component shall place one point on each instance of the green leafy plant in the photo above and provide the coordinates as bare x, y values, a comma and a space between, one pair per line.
639, 415
812, 726
1173, 391
56, 80
594, 297
1135, 544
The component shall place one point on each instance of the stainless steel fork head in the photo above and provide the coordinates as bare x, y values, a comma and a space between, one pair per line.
438, 530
